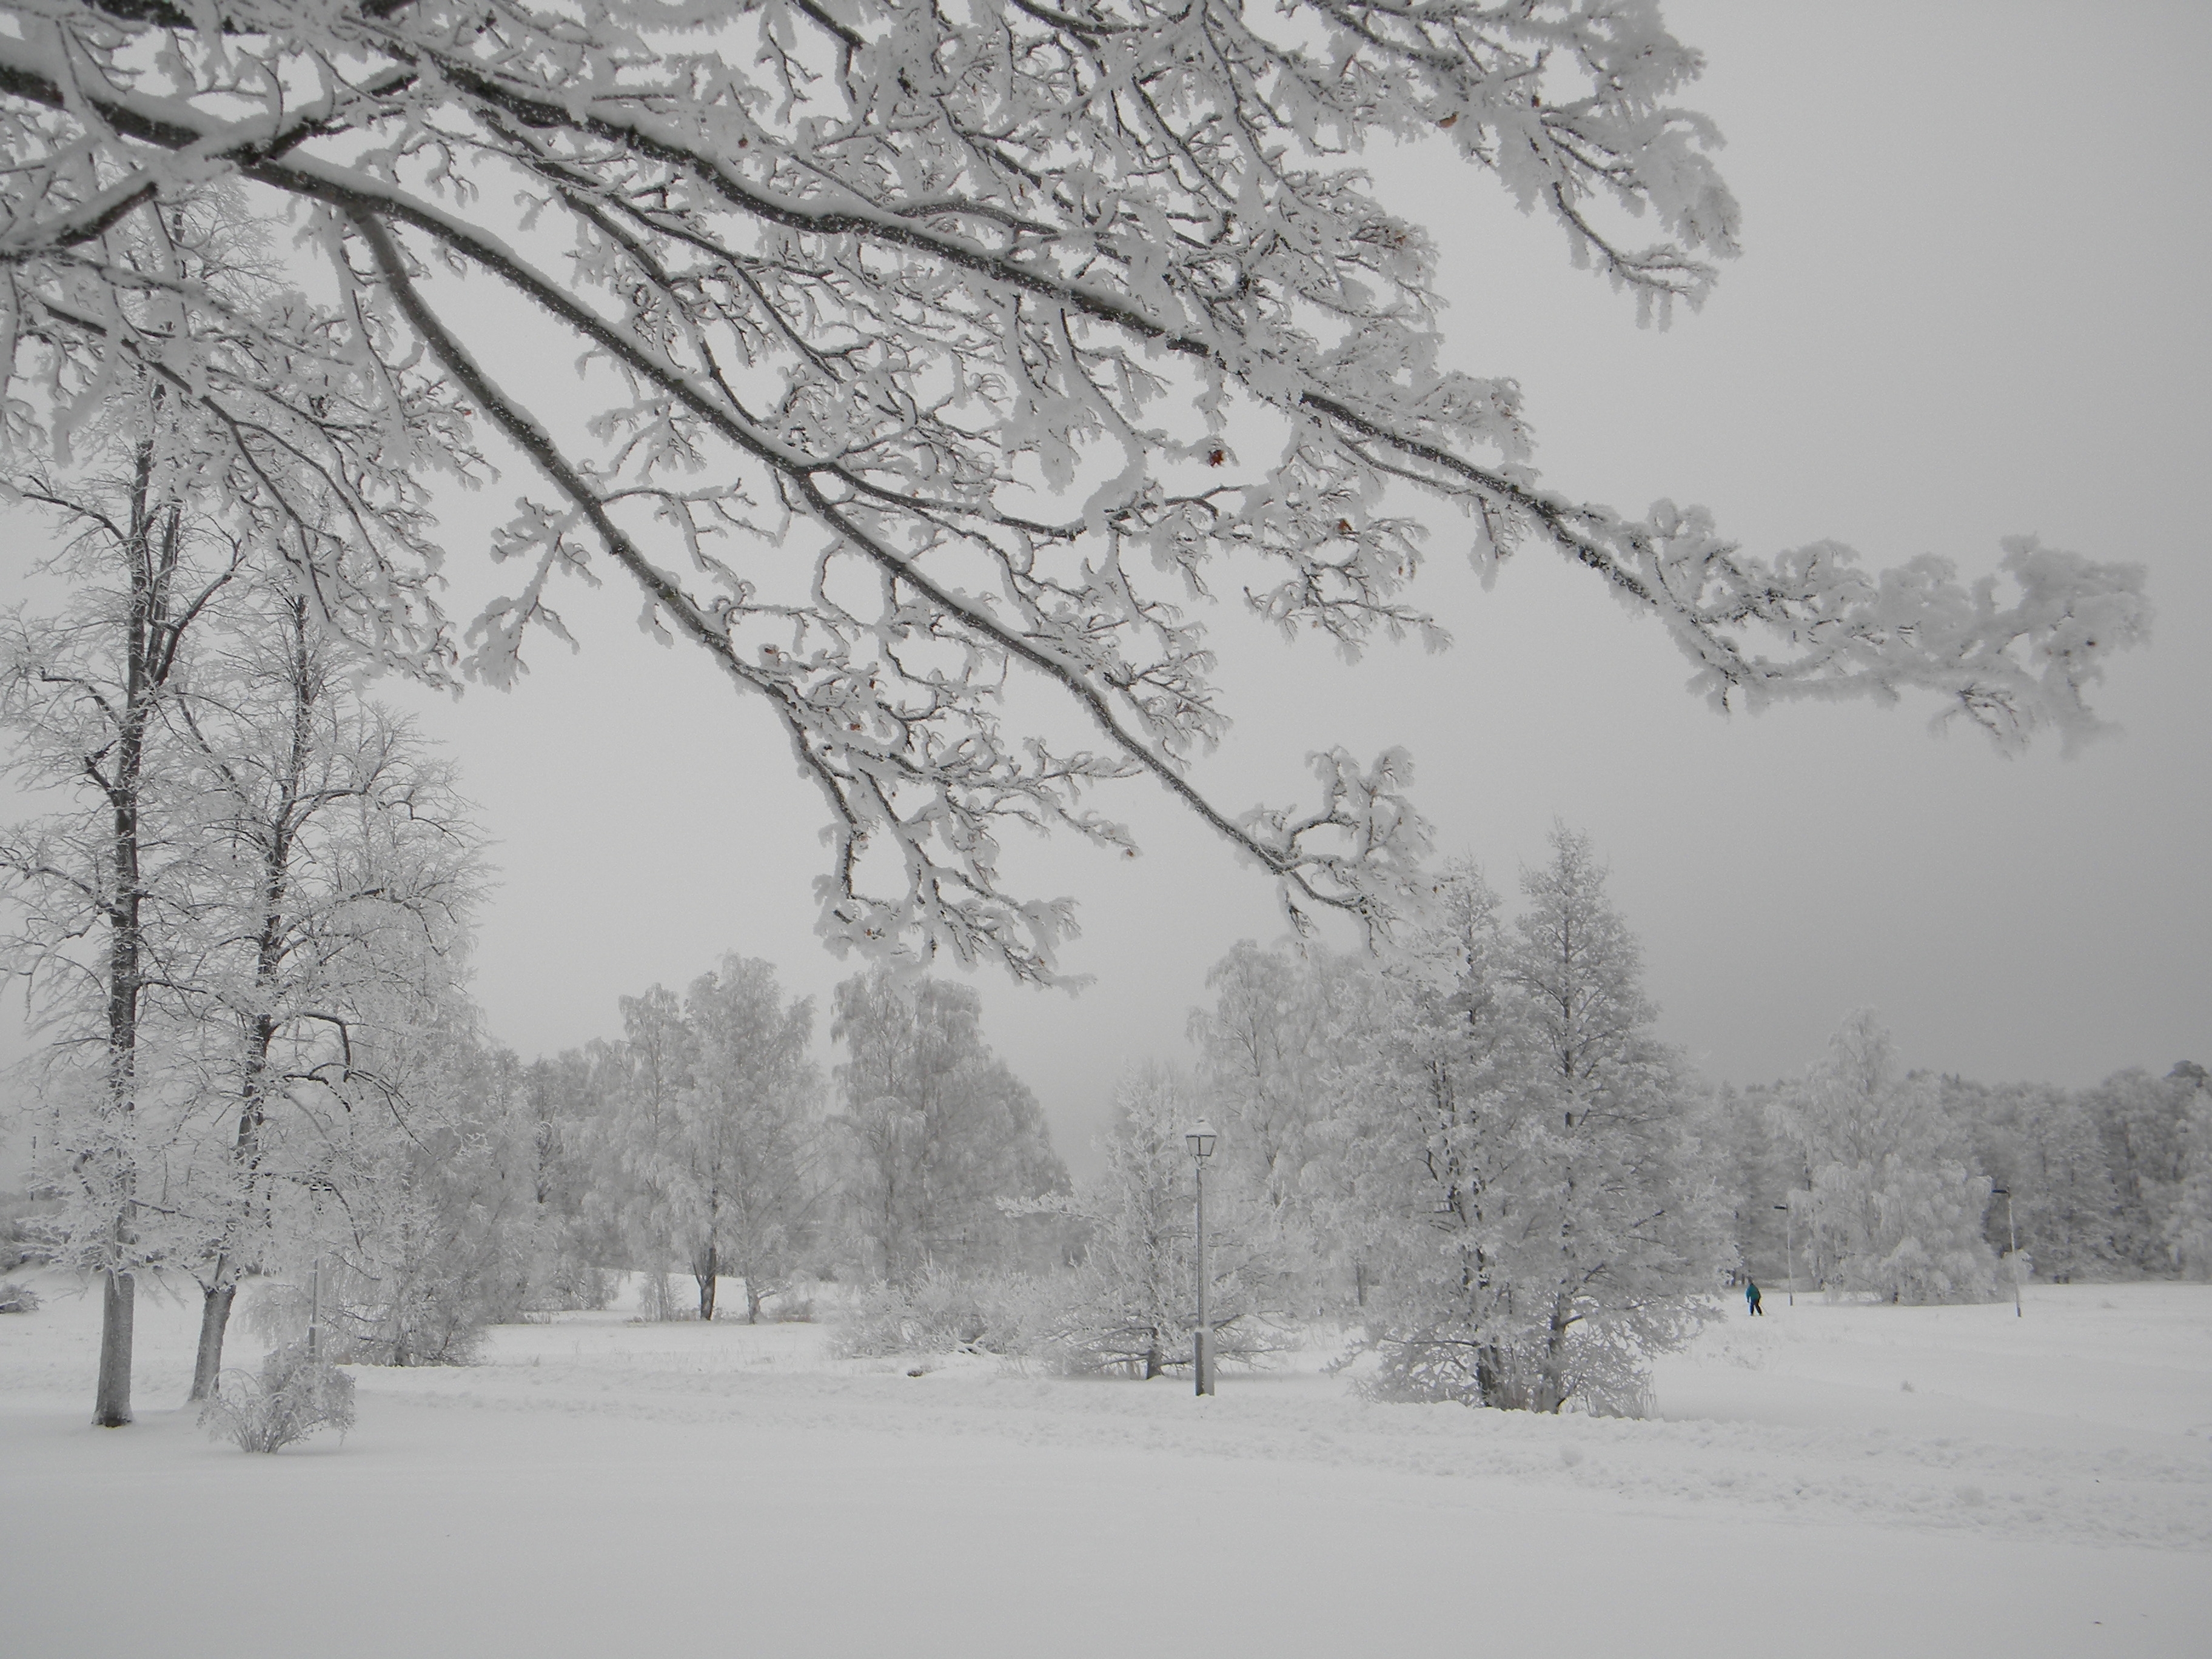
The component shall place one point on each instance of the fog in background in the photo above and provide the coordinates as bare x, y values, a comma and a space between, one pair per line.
1971, 305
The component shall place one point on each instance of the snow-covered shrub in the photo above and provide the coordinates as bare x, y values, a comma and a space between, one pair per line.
17, 1298
942, 1312
296, 1394
433, 1319
568, 1285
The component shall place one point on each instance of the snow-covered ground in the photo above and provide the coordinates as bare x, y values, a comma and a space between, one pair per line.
1826, 1481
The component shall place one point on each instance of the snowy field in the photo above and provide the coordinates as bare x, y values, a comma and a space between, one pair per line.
1827, 1481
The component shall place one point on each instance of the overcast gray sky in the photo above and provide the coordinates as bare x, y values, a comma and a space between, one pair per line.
1972, 304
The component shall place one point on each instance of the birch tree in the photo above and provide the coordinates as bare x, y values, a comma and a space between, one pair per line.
932, 349
738, 1158
91, 709
935, 1129
652, 1068
334, 843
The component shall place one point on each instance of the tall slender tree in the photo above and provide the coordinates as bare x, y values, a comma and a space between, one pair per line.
91, 705
334, 843
739, 1161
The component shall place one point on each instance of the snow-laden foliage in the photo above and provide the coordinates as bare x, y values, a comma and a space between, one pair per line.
1479, 1152
939, 1311
712, 1148
1547, 1220
2040, 1145
1894, 1205
930, 347
1130, 1304
2189, 1228
2141, 1120
934, 1133
296, 1393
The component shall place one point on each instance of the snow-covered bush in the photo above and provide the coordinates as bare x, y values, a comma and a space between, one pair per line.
19, 1230
430, 1319
296, 1394
942, 1312
17, 1298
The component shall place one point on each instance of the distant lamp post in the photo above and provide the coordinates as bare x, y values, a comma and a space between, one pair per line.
2012, 1236
1199, 1139
1790, 1262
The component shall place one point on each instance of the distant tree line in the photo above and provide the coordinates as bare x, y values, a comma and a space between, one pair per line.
2113, 1181
1475, 1158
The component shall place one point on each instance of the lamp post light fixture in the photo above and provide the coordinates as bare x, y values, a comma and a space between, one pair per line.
2012, 1259
1199, 1139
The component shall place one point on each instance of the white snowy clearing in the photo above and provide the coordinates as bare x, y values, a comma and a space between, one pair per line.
1828, 1480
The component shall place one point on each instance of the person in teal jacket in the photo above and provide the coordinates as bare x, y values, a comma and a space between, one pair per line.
1750, 1296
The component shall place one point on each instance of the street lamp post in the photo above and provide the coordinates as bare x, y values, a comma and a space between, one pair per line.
2012, 1236
1790, 1262
1199, 1139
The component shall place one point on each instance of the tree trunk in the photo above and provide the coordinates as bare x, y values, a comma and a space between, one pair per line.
110, 1408
215, 1319
705, 1277
753, 1300
148, 655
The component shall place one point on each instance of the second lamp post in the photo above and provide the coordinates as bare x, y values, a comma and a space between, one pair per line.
1199, 1139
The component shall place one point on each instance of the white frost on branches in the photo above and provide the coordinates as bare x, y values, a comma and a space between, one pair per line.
922, 339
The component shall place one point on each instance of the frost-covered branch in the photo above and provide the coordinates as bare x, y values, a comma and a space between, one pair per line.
923, 343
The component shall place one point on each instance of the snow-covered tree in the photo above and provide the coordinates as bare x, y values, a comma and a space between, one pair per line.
652, 1066
424, 1212
566, 1096
90, 704
1631, 1224
734, 1164
1756, 1170
1265, 1051
333, 844
1132, 1301
2189, 1228
1894, 1207
932, 347
2140, 1118
1274, 1050
2041, 1143
1521, 1152
935, 1130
